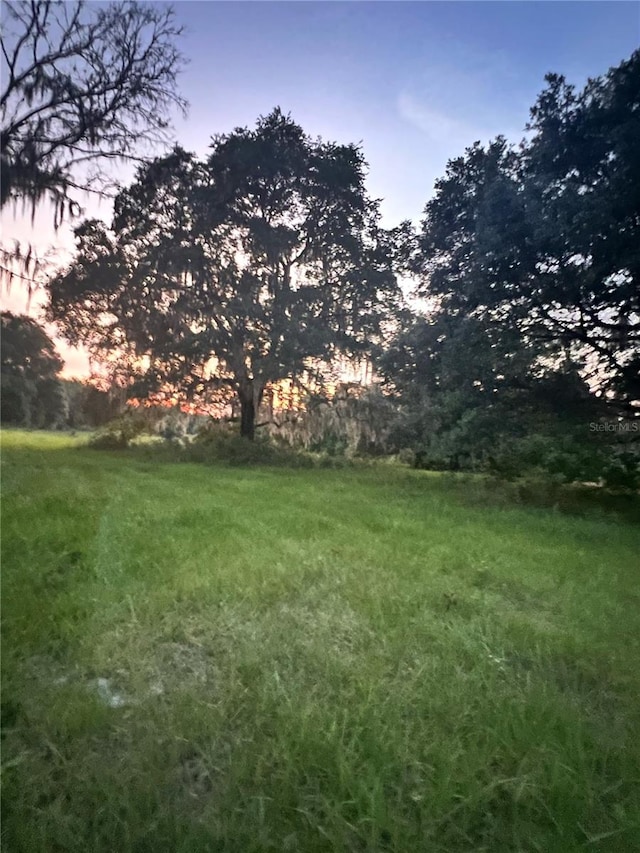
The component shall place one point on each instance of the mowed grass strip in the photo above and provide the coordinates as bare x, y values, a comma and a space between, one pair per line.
201, 658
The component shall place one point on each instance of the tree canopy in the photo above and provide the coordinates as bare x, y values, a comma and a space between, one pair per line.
543, 239
236, 272
529, 258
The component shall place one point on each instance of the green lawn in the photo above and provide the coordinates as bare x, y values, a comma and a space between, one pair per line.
206, 658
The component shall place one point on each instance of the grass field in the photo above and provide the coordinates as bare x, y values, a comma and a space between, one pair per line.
206, 658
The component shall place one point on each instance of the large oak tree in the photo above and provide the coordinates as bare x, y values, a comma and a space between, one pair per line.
235, 272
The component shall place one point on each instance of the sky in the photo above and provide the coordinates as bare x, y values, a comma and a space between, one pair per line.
414, 82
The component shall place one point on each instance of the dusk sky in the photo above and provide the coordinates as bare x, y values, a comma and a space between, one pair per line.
415, 83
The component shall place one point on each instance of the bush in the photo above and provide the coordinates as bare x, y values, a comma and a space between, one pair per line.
217, 444
107, 440
623, 472
330, 444
559, 458
539, 488
407, 456
118, 434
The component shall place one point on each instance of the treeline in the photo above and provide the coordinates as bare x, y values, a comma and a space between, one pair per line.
218, 279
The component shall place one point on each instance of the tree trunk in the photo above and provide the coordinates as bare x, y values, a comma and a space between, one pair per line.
247, 417
250, 393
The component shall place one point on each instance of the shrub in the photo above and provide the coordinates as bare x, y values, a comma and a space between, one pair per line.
108, 440
407, 456
217, 444
622, 472
118, 433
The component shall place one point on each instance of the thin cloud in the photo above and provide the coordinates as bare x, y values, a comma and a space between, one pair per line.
464, 96
439, 127
447, 131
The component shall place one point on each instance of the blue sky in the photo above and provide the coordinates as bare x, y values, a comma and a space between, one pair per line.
414, 82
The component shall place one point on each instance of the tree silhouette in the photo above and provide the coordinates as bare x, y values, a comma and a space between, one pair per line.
236, 272
543, 240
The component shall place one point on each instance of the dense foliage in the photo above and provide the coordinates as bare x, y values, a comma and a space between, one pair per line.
542, 241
